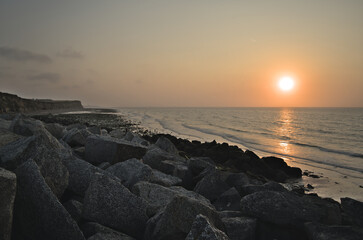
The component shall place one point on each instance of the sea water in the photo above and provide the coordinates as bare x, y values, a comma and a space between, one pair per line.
327, 141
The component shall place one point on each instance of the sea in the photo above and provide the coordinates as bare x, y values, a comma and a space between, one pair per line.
326, 142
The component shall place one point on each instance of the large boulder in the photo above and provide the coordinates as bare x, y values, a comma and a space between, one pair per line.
229, 200
212, 185
198, 164
287, 209
240, 228
166, 145
107, 149
110, 236
158, 196
75, 137
7, 196
269, 186
155, 156
279, 164
55, 129
131, 171
74, 208
164, 179
91, 228
46, 152
37, 213
110, 203
26, 126
177, 219
202, 229
352, 212
6, 137
322, 232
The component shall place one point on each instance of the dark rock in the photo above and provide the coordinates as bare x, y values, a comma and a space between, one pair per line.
202, 229
158, 196
6, 137
176, 220
104, 165
26, 126
91, 228
321, 232
7, 196
108, 202
229, 214
55, 129
240, 228
309, 186
280, 164
5, 124
139, 140
94, 130
166, 145
74, 138
106, 149
118, 133
270, 186
211, 186
80, 152
229, 200
164, 179
352, 212
155, 156
74, 208
240, 179
198, 164
37, 213
288, 209
131, 171
110, 236
251, 155
46, 152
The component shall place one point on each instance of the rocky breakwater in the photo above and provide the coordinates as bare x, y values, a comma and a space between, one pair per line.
83, 182
10, 103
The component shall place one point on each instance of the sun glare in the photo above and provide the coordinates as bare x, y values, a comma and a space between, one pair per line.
286, 83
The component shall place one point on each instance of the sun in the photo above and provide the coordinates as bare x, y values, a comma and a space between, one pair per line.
286, 83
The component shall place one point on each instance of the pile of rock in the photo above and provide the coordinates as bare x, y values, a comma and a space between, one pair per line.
79, 182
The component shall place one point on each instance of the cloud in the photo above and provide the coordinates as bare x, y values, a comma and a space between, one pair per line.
45, 77
20, 55
70, 53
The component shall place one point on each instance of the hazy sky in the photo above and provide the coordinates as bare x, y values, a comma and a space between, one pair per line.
183, 53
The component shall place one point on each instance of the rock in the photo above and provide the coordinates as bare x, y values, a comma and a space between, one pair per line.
202, 229
46, 152
322, 232
131, 171
74, 138
211, 186
37, 213
104, 165
352, 212
198, 164
139, 140
80, 152
110, 236
229, 200
280, 164
106, 149
104, 132
158, 196
286, 208
166, 145
26, 126
118, 133
80, 174
94, 130
269, 186
109, 203
164, 179
5, 124
6, 137
55, 129
177, 219
7, 196
229, 214
91, 228
74, 208
129, 136
155, 156
78, 126
240, 228
238, 180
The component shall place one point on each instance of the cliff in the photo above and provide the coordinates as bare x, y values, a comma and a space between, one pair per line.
12, 103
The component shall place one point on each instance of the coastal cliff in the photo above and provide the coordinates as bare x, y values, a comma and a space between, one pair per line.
13, 103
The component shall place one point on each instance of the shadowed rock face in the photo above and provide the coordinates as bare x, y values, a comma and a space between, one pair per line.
38, 214
12, 103
7, 196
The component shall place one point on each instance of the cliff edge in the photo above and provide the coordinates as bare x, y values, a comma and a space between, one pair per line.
12, 103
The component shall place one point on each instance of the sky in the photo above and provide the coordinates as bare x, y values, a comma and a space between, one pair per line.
207, 53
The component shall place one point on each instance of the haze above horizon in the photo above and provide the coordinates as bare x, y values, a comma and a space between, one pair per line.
184, 53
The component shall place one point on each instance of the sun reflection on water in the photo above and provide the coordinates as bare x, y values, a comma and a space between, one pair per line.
285, 130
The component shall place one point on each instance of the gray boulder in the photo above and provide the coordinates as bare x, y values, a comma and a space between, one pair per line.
74, 208
164, 179
211, 186
229, 214
37, 213
26, 126
155, 157
198, 164
270, 186
118, 133
109, 203
5, 124
352, 212
177, 219
131, 171
229, 200
110, 236
75, 138
240, 228
158, 196
107, 149
166, 145
91, 228
202, 229
55, 129
46, 152
6, 137
238, 180
104, 165
7, 196
322, 232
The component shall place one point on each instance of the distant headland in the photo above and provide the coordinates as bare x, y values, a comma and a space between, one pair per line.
13, 103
